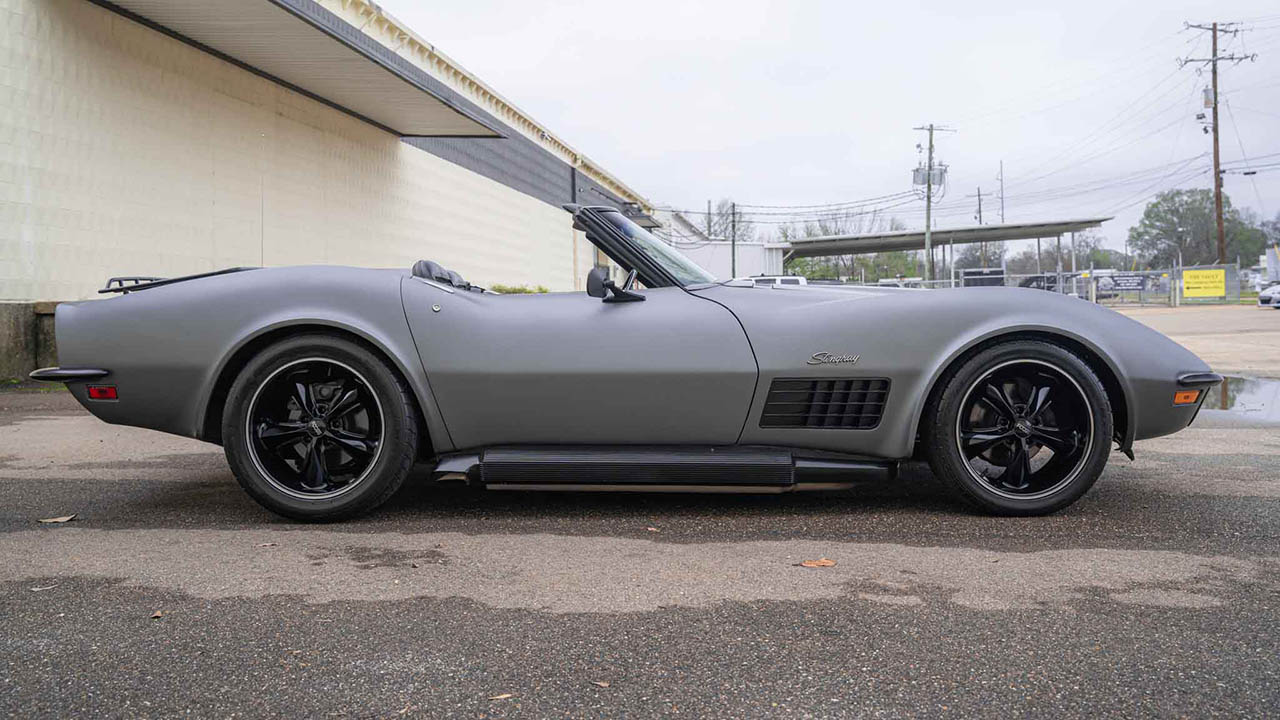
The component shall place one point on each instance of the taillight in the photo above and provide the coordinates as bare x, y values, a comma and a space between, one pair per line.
102, 392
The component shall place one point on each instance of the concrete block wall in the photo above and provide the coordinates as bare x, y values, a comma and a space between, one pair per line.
126, 152
26, 338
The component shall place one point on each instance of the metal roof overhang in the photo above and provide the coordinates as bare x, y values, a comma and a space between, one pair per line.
304, 47
914, 239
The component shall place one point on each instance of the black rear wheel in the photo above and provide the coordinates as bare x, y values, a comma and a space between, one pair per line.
319, 428
1021, 428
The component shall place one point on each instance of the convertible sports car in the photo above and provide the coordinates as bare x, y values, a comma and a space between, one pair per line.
325, 385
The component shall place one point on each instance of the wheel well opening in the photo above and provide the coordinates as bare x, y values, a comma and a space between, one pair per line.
211, 430
1110, 383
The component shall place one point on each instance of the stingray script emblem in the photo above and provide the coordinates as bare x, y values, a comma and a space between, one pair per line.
826, 358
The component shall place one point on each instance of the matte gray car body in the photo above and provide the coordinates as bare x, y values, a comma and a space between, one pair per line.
689, 366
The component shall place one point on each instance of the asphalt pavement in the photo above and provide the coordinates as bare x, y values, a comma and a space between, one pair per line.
171, 593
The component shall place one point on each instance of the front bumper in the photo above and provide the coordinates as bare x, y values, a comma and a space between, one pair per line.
1199, 379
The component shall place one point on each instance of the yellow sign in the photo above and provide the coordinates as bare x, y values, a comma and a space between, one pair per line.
1204, 283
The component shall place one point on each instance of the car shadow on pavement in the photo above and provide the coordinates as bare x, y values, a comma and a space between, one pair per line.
201, 495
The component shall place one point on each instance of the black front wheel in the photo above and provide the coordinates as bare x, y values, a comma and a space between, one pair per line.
1020, 428
319, 428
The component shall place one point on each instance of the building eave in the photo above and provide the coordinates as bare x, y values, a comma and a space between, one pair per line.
372, 20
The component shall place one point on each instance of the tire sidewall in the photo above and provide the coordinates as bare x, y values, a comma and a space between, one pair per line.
943, 447
398, 435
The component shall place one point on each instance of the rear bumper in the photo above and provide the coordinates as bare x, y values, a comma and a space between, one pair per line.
59, 374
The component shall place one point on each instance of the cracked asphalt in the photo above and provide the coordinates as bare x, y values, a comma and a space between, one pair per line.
1158, 594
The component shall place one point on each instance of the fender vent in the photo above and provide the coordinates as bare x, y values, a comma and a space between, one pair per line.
836, 403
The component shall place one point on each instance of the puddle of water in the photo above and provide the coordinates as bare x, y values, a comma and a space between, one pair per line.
1253, 398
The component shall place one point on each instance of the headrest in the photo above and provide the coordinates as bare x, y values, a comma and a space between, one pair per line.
428, 270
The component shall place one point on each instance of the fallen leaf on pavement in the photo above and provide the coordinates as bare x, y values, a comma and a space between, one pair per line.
600, 683
503, 696
266, 544
60, 519
820, 562
157, 615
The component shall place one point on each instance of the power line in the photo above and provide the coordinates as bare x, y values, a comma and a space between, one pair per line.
1057, 89
864, 201
1261, 205
1126, 115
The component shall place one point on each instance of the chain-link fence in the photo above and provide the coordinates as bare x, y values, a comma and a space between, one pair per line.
1171, 287
1137, 287
1209, 284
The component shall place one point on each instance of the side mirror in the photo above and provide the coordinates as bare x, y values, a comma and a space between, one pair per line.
595, 282
600, 286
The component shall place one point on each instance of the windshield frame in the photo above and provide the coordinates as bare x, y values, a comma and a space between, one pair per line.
678, 269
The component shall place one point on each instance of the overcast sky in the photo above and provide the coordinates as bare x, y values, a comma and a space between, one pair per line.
803, 102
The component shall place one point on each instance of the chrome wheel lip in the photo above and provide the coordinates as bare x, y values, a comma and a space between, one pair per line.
253, 452
1061, 484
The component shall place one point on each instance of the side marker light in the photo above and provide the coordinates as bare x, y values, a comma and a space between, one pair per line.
102, 392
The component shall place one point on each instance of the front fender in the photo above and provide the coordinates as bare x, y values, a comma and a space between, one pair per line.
994, 332
912, 337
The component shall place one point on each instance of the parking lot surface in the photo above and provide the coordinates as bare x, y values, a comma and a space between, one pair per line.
172, 593
1233, 339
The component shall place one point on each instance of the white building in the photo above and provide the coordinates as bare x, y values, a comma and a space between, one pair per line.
716, 255
170, 137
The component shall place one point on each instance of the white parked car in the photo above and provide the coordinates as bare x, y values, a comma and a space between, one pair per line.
777, 280
1270, 297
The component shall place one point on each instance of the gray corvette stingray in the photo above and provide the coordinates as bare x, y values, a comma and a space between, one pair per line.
325, 385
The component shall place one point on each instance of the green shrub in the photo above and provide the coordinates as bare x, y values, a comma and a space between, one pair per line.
518, 289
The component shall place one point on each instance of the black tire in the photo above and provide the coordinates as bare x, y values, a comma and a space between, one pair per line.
1003, 423
319, 428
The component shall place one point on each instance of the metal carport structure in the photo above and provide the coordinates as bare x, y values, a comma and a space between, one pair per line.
855, 244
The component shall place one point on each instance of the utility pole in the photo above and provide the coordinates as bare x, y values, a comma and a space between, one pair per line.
1217, 162
1074, 278
733, 240
1058, 257
1216, 29
1001, 192
708, 219
982, 246
928, 198
928, 211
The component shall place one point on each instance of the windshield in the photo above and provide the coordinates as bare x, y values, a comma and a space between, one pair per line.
684, 270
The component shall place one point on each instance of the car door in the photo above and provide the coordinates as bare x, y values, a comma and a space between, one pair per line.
569, 369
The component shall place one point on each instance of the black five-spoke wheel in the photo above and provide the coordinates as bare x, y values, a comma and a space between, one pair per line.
1024, 428
1020, 427
318, 427
315, 428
